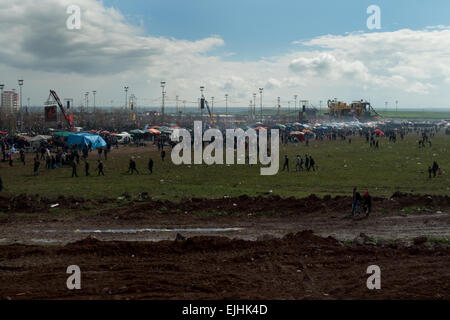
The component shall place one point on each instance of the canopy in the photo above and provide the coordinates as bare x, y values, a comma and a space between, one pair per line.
260, 128
85, 139
154, 131
62, 134
137, 131
296, 133
37, 138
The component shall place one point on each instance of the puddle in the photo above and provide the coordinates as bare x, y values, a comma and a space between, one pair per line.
148, 230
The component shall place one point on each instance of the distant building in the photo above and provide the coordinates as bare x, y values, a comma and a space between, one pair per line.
10, 101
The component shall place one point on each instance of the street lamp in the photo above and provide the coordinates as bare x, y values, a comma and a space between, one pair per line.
126, 96
163, 85
2, 86
295, 106
94, 93
86, 95
202, 88
226, 107
212, 105
254, 106
279, 106
20, 88
260, 101
396, 106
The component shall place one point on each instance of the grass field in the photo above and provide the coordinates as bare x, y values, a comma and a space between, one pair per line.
398, 166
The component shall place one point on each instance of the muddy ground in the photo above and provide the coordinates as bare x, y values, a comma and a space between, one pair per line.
239, 248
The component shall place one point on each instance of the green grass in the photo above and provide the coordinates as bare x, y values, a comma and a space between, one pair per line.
400, 166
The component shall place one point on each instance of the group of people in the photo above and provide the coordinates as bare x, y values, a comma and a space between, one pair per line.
132, 167
309, 163
359, 202
434, 170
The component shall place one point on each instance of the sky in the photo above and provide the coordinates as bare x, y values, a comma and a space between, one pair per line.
317, 50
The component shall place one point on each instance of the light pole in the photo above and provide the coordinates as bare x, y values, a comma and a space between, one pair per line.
254, 106
396, 106
177, 104
226, 108
20, 88
212, 105
202, 88
386, 105
20, 109
2, 86
86, 95
295, 101
279, 106
94, 93
320, 107
260, 101
126, 96
163, 86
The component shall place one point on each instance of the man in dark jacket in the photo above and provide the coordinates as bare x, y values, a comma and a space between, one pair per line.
356, 202
367, 203
150, 165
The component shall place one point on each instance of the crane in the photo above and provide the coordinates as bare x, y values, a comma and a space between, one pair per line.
205, 102
68, 118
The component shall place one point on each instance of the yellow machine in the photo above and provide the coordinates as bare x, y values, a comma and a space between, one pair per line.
357, 109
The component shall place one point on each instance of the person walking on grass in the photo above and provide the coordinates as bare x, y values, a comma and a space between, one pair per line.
36, 166
150, 165
86, 168
307, 165
312, 163
100, 168
435, 168
74, 169
286, 163
356, 207
163, 155
367, 203
299, 165
132, 166
1, 184
22, 156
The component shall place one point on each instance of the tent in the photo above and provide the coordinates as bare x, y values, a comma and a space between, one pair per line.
64, 134
260, 128
137, 131
35, 142
85, 139
153, 131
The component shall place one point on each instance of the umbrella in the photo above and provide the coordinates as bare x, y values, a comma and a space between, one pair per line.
137, 131
154, 131
260, 128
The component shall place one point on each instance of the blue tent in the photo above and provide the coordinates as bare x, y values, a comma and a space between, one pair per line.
85, 139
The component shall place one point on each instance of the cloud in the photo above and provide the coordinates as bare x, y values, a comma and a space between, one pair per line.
38, 39
108, 53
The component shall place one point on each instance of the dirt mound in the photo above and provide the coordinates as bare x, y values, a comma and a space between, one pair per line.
298, 266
